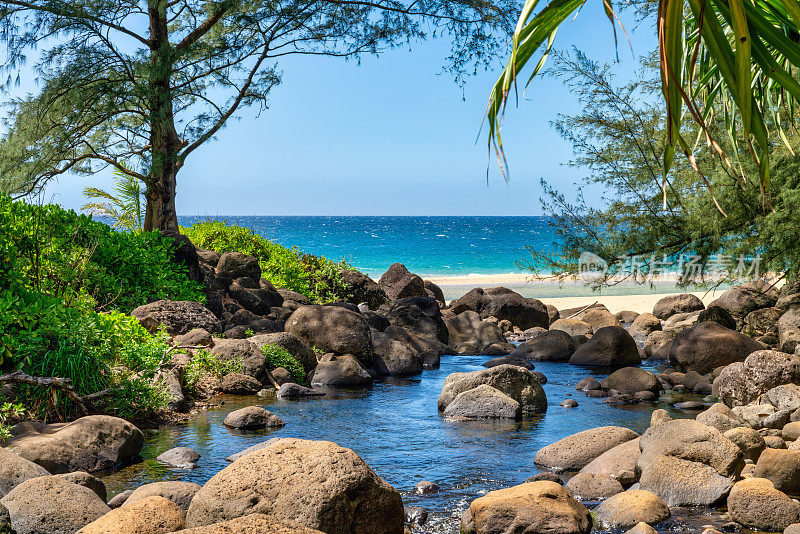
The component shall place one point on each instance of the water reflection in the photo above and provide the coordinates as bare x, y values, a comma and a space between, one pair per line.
396, 428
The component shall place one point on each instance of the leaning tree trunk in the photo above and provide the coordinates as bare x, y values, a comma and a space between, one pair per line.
164, 141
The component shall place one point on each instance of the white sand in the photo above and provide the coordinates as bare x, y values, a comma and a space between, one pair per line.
617, 303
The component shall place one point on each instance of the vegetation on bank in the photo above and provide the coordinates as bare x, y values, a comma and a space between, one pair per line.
279, 357
316, 277
67, 284
619, 138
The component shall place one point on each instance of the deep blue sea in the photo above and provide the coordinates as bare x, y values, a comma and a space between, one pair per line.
428, 246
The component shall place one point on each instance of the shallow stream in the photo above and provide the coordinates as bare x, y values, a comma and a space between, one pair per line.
396, 428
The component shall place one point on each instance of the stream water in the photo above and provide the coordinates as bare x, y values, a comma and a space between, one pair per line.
396, 428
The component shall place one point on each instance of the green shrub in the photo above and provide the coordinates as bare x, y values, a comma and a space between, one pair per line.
279, 357
206, 364
316, 277
57, 252
58, 271
8, 413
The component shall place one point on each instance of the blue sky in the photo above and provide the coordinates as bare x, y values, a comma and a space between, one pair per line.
391, 136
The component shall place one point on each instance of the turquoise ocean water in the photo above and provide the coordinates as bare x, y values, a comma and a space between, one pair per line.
430, 246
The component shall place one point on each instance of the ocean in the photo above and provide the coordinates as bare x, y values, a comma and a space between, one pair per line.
458, 253
428, 246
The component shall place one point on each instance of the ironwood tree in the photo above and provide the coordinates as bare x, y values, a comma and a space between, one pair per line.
140, 85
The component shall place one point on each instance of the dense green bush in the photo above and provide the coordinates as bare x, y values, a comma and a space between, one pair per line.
70, 256
279, 357
66, 284
316, 277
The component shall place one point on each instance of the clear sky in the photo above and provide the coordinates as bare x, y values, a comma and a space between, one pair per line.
391, 136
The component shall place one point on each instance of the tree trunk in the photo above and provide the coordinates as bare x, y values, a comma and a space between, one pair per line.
164, 140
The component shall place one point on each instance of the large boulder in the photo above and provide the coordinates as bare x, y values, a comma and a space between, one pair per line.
668, 306
504, 304
629, 508
151, 515
749, 441
688, 463
363, 289
719, 416
644, 325
593, 487
598, 318
756, 504
618, 462
177, 316
233, 265
253, 297
573, 327
342, 371
789, 330
304, 354
516, 382
92, 443
533, 507
483, 402
177, 491
252, 417
52, 505
743, 382
709, 345
574, 452
784, 397
394, 358
15, 470
251, 524
397, 282
430, 349
741, 300
629, 380
610, 346
781, 467
316, 484
253, 361
418, 315
240, 384
467, 329
332, 329
549, 346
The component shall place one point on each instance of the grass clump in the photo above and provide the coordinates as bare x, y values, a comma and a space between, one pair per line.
279, 357
204, 364
316, 277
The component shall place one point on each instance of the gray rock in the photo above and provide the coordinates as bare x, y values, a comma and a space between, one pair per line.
415, 515
516, 382
482, 402
92, 443
708, 345
179, 492
688, 463
672, 304
304, 355
332, 329
14, 470
762, 370
593, 487
86, 480
253, 362
119, 499
52, 505
179, 317
425, 487
504, 304
340, 372
252, 417
291, 390
181, 457
610, 346
644, 325
630, 380
549, 346
578, 450
240, 384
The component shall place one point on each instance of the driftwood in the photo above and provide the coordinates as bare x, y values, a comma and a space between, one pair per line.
581, 310
62, 384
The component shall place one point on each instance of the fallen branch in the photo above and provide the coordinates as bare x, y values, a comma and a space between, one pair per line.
62, 384
581, 310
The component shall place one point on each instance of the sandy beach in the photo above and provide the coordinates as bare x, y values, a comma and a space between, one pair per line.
571, 294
